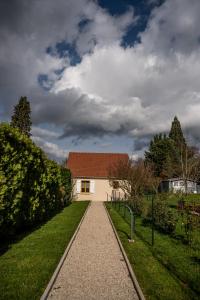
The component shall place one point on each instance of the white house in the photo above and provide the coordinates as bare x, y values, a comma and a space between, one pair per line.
90, 173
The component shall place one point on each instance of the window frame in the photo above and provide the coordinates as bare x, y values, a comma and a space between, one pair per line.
115, 184
84, 188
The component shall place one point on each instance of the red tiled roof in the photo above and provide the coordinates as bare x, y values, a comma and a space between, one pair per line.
93, 164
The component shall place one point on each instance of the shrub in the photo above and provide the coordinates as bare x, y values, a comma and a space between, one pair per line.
137, 205
164, 219
30, 184
66, 182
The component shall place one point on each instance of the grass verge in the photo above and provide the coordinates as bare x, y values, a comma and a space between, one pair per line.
28, 265
156, 281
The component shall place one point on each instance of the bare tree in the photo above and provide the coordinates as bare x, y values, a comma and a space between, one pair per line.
189, 165
134, 178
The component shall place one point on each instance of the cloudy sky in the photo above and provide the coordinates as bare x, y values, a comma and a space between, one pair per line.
101, 75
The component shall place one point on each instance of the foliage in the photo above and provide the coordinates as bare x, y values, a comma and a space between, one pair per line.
176, 133
137, 205
21, 116
28, 264
170, 156
164, 271
159, 154
190, 220
66, 183
30, 184
164, 218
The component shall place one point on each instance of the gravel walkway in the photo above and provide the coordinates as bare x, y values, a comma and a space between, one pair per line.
94, 267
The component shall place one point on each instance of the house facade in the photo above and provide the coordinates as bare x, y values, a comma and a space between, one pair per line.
90, 173
178, 185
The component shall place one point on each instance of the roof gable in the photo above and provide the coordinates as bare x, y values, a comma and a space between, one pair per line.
95, 165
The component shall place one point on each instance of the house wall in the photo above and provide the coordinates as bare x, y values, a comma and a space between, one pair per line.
101, 189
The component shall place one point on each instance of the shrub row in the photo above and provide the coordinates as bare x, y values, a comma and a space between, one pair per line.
32, 187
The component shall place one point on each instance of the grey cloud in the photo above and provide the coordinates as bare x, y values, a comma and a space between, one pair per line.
44, 133
27, 28
141, 144
174, 27
113, 91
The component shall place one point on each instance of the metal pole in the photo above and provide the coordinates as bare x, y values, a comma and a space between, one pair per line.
131, 225
152, 210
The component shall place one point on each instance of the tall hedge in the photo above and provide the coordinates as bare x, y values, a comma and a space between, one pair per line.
32, 187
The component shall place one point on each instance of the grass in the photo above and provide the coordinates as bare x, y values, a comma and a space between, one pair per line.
28, 265
181, 218
156, 267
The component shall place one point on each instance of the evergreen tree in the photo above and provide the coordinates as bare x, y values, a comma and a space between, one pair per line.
176, 134
180, 148
159, 154
170, 155
21, 116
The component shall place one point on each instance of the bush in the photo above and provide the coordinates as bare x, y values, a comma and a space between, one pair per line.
164, 219
137, 205
30, 184
66, 182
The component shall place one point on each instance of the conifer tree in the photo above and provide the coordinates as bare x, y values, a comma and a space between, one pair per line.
21, 116
176, 134
159, 153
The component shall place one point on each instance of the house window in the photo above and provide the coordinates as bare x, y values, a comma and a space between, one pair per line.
115, 184
85, 186
175, 183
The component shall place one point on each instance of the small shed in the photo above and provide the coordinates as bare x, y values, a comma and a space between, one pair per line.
178, 185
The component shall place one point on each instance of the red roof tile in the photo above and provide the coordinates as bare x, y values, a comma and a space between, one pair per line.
93, 164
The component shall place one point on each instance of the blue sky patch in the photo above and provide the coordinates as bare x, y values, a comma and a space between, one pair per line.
142, 9
44, 82
64, 49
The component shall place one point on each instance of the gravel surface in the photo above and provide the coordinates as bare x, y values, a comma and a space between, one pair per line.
95, 267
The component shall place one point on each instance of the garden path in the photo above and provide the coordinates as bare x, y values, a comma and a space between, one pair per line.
94, 267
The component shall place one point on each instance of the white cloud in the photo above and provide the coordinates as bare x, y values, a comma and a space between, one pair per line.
138, 90
51, 149
135, 91
27, 29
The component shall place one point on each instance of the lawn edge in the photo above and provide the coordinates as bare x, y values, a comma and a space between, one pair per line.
60, 264
130, 269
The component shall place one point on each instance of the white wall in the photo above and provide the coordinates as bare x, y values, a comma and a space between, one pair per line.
178, 186
99, 193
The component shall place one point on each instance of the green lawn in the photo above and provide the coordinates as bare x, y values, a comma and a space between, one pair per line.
27, 266
165, 271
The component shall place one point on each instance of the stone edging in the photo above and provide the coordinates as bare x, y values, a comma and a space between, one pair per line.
130, 270
59, 266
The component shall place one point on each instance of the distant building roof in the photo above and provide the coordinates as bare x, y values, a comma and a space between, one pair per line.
96, 165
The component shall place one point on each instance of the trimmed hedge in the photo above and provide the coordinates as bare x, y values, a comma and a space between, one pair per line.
32, 187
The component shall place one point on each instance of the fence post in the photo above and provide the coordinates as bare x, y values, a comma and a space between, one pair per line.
152, 215
132, 224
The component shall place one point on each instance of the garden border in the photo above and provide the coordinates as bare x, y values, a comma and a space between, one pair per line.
130, 270
60, 264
